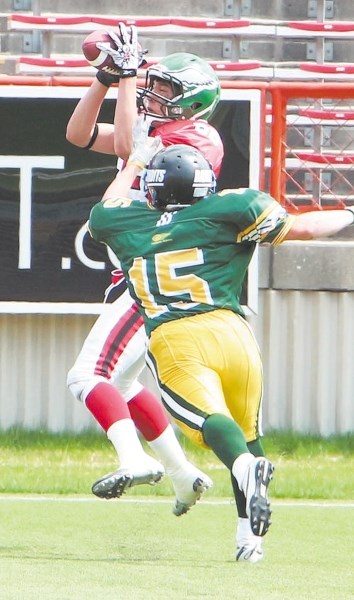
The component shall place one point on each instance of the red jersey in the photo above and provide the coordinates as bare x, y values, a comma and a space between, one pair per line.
198, 134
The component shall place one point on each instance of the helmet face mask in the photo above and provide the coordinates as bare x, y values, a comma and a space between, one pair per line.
195, 88
169, 109
177, 177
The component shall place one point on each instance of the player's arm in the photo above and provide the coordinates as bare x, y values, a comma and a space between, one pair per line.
316, 224
123, 181
124, 117
127, 57
144, 148
83, 130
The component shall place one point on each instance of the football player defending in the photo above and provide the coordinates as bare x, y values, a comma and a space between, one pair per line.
105, 373
185, 264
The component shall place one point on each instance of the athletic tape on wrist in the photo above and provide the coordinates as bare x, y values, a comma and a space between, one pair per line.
128, 73
135, 163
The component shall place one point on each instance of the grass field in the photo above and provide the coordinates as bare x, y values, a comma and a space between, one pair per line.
306, 467
58, 542
85, 549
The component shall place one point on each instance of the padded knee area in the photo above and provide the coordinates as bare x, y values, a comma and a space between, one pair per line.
80, 387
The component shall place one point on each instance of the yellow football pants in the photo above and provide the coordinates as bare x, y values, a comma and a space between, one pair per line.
206, 364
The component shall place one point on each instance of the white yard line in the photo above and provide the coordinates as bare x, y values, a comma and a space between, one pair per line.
144, 500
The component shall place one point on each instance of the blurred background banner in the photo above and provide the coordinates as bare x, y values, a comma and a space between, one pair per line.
48, 186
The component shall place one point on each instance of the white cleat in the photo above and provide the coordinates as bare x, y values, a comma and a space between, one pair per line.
115, 484
189, 485
259, 476
250, 552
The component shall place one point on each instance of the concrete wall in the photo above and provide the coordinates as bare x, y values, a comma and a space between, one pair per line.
317, 265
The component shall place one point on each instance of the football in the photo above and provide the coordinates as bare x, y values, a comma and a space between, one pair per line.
97, 58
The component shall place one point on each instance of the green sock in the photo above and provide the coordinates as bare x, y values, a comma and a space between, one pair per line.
225, 438
255, 447
240, 498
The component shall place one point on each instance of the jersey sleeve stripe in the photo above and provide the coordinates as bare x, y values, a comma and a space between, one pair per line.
263, 224
282, 234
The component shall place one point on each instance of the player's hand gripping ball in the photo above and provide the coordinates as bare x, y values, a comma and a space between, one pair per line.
115, 52
96, 57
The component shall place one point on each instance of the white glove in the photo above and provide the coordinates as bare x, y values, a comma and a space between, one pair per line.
144, 147
129, 55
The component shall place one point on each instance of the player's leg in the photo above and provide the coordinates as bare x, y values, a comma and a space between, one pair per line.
248, 545
90, 380
243, 396
151, 420
114, 353
191, 359
189, 482
190, 391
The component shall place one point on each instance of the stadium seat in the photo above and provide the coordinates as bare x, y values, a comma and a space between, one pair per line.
232, 32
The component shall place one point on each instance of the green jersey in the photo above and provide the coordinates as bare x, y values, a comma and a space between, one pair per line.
193, 260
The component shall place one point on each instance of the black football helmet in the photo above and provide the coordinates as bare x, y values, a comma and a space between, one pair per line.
178, 176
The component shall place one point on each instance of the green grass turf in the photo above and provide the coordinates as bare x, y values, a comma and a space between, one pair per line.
82, 548
307, 467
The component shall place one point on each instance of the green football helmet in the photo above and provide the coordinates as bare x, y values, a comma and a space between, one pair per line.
195, 86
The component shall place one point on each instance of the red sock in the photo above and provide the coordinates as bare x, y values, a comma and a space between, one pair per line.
107, 405
148, 414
